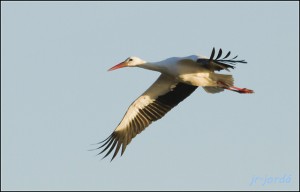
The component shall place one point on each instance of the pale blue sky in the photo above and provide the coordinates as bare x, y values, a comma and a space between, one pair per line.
57, 97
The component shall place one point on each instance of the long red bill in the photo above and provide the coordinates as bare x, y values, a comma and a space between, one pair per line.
118, 66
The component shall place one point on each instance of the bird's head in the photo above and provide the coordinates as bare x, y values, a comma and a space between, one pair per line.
129, 62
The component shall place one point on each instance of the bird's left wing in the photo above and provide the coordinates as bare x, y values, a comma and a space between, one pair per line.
164, 94
218, 64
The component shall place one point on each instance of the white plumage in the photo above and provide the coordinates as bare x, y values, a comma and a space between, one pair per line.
180, 76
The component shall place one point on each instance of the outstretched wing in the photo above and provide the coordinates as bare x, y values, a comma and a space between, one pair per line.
218, 64
164, 94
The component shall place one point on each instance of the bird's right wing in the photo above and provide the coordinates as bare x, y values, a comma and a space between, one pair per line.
164, 94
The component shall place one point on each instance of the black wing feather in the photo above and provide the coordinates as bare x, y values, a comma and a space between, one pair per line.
227, 55
151, 112
212, 54
219, 54
219, 64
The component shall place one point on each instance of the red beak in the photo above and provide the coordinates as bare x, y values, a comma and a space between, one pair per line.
120, 65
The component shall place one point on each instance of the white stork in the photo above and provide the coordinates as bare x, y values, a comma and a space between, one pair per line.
180, 76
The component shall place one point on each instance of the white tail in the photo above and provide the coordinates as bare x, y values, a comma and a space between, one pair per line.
224, 79
213, 89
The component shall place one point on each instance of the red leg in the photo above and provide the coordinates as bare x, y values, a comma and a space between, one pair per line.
240, 90
236, 89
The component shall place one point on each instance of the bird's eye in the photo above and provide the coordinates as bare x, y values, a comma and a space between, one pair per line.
130, 59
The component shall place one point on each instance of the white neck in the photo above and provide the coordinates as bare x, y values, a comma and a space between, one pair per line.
154, 66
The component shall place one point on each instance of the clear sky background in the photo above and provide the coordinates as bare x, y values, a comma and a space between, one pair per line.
57, 97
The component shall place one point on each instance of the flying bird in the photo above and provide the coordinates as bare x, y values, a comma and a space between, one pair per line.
180, 77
